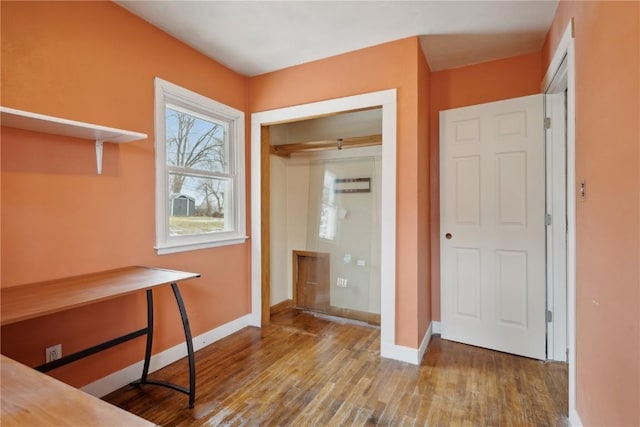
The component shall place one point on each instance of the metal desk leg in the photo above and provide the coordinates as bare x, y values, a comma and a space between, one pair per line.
189, 342
147, 354
191, 391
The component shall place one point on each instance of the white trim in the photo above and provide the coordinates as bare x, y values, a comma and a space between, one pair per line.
196, 104
437, 327
425, 343
574, 419
566, 48
556, 232
399, 353
571, 229
408, 354
121, 378
172, 249
387, 99
558, 57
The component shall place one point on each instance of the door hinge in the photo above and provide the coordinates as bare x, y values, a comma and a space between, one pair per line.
547, 122
547, 219
549, 316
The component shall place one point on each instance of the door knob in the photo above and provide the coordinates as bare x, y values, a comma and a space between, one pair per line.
448, 236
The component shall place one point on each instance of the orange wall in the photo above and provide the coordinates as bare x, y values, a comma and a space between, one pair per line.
460, 87
95, 62
424, 208
390, 65
607, 50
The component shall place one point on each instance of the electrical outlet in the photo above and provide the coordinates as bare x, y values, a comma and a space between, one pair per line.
53, 353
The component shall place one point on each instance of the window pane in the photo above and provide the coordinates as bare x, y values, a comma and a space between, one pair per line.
199, 205
195, 142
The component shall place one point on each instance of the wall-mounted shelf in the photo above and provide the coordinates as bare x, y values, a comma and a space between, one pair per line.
26, 120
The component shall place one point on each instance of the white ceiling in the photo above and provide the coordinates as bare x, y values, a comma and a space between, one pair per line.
255, 37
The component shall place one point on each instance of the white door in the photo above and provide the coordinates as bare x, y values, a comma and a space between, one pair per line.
492, 210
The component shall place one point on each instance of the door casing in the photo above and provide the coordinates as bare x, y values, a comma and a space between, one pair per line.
566, 50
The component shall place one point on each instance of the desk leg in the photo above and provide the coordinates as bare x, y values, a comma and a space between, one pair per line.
147, 354
191, 391
189, 342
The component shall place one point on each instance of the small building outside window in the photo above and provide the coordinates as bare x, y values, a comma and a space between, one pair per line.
182, 205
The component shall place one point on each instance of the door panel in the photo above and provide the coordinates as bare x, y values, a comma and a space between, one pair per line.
511, 281
493, 235
511, 175
467, 190
311, 276
468, 282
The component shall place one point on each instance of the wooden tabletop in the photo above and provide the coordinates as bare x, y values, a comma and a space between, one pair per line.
38, 299
30, 398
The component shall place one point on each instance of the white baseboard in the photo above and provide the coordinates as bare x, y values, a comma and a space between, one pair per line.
119, 379
400, 353
574, 419
437, 327
425, 343
408, 354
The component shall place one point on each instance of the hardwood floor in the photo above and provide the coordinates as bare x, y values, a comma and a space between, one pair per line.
304, 371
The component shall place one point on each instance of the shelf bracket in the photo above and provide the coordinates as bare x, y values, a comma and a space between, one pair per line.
99, 155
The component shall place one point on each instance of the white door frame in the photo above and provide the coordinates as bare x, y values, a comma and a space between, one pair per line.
566, 49
387, 99
556, 227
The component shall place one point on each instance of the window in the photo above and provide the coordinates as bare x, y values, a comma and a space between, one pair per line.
200, 188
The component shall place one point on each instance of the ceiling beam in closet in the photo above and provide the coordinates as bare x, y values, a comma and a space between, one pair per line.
285, 150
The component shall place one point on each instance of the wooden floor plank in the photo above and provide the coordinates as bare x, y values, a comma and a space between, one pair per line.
303, 370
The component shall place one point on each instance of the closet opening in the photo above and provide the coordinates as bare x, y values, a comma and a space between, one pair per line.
324, 214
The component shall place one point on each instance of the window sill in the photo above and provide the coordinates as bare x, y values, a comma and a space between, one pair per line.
176, 248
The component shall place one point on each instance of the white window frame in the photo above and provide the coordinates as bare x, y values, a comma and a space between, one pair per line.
169, 93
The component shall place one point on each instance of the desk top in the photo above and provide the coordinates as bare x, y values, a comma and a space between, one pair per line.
30, 398
38, 299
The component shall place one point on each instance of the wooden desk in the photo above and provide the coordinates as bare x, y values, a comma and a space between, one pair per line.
24, 302
30, 398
